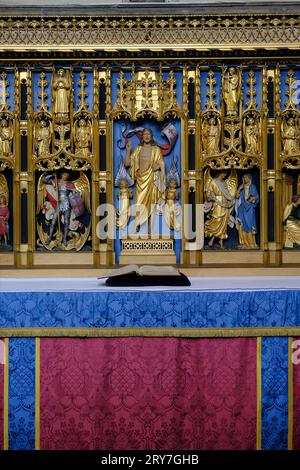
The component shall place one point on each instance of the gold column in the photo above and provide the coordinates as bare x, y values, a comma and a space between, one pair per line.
95, 171
278, 198
30, 169
198, 152
185, 257
72, 111
16, 173
264, 170
109, 161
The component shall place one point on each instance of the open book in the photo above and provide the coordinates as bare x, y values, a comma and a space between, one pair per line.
146, 270
147, 275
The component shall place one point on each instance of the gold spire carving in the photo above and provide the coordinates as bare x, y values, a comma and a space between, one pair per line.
42, 93
211, 103
147, 93
4, 93
290, 92
251, 92
82, 94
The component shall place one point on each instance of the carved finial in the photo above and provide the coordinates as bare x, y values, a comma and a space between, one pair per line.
211, 103
4, 93
82, 94
42, 93
291, 89
251, 92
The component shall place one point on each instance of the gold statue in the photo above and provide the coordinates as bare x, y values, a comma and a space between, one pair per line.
291, 221
124, 196
290, 136
147, 169
61, 87
231, 89
251, 136
83, 138
211, 131
219, 203
171, 209
42, 137
6, 137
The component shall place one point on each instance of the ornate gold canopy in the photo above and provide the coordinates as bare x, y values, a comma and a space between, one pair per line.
147, 93
137, 32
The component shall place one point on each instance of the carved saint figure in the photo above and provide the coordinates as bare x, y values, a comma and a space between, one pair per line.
251, 136
231, 89
4, 217
211, 136
63, 205
291, 221
6, 136
63, 188
147, 169
290, 137
247, 199
219, 203
61, 94
42, 137
83, 138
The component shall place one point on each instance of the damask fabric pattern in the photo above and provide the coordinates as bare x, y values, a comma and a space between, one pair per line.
148, 393
2, 358
274, 393
296, 399
150, 309
21, 393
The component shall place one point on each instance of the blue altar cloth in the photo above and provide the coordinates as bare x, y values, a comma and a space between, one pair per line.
169, 308
226, 303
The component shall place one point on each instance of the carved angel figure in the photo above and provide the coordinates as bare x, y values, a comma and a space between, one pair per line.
290, 134
172, 209
83, 138
42, 137
61, 88
291, 221
219, 203
231, 89
251, 135
63, 208
123, 181
211, 133
6, 137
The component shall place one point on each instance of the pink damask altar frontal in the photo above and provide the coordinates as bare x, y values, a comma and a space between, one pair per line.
148, 393
296, 397
2, 360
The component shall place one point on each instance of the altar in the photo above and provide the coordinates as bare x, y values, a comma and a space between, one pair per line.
150, 136
89, 367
